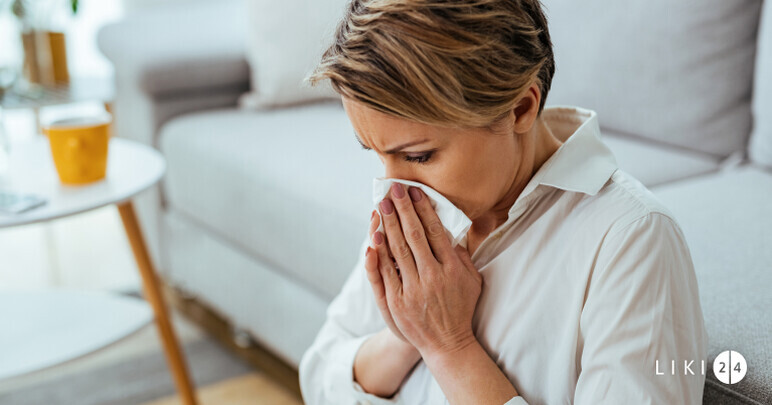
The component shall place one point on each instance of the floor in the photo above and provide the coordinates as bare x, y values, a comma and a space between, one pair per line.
253, 388
134, 345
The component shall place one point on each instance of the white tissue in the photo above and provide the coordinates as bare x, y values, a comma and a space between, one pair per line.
454, 220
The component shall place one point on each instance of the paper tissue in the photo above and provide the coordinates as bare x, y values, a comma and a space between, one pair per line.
454, 220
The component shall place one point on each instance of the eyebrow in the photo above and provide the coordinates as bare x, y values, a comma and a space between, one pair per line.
393, 150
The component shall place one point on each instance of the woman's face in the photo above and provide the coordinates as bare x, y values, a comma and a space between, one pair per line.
473, 168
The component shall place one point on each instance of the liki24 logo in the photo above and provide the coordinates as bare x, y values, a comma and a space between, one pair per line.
729, 367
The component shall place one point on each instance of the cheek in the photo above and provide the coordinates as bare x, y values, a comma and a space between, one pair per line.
481, 175
468, 182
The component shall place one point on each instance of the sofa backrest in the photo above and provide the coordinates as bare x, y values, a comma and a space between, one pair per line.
678, 72
760, 148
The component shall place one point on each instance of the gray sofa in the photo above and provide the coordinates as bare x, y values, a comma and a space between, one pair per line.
261, 213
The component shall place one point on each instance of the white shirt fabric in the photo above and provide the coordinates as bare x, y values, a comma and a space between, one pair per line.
589, 294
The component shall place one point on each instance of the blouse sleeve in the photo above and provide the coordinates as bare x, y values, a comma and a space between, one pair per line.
326, 368
518, 400
641, 312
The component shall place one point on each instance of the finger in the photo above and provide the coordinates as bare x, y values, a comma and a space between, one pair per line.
435, 231
391, 281
412, 228
463, 254
376, 282
374, 275
395, 239
374, 220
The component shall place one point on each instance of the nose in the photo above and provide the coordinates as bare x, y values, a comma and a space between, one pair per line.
397, 171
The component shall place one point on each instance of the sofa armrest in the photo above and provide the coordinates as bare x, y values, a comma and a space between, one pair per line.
171, 60
174, 59
179, 47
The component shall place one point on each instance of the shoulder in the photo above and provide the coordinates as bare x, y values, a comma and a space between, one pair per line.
624, 201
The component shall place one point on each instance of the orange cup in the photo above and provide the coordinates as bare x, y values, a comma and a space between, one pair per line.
79, 147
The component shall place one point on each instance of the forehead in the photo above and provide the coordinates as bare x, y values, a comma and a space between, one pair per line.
384, 130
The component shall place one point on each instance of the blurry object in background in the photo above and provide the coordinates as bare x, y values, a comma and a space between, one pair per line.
34, 96
45, 57
10, 51
283, 45
79, 89
79, 148
5, 150
43, 38
12, 202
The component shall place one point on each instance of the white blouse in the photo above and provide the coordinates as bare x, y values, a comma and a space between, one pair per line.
589, 294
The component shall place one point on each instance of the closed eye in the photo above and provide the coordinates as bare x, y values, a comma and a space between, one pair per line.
422, 158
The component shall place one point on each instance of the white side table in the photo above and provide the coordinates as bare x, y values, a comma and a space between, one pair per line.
132, 168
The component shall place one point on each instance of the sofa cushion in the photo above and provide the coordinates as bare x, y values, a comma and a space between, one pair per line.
727, 220
761, 138
679, 72
635, 156
282, 314
285, 42
277, 184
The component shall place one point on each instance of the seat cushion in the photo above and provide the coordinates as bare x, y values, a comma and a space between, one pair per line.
636, 156
285, 174
727, 220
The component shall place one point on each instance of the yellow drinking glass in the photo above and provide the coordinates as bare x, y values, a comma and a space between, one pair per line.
79, 147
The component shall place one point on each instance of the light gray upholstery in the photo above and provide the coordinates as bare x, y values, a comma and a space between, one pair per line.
727, 220
761, 138
281, 313
635, 155
678, 72
277, 184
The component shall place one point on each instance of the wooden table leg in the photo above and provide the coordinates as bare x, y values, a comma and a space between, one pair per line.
153, 295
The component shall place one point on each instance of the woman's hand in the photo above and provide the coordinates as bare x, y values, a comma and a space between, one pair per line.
376, 282
432, 299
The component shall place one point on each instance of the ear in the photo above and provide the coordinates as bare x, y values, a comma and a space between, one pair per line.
527, 108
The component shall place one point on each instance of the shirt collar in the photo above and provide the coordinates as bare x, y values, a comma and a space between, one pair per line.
583, 163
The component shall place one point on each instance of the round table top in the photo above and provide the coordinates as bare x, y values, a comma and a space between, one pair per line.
132, 167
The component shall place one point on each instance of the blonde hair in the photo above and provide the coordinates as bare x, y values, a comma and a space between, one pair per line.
452, 63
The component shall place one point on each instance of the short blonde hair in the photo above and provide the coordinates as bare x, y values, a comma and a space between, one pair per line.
457, 63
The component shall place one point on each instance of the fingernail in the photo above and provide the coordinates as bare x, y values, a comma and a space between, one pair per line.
378, 238
386, 206
372, 215
397, 190
415, 195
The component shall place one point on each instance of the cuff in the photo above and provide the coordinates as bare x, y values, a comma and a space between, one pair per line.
345, 354
518, 400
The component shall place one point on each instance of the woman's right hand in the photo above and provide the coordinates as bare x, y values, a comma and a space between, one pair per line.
384, 360
376, 282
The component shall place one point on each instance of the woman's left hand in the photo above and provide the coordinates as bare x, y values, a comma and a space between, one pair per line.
432, 300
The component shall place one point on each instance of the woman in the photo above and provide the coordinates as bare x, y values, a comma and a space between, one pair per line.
576, 286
